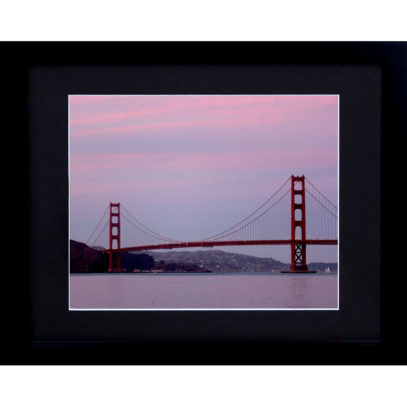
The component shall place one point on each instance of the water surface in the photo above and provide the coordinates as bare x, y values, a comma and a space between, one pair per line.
203, 291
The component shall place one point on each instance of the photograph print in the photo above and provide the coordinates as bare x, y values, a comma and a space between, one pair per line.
203, 202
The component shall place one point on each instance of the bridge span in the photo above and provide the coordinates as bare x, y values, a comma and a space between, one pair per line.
188, 245
280, 220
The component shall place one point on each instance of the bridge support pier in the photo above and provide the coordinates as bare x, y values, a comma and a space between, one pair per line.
114, 237
298, 227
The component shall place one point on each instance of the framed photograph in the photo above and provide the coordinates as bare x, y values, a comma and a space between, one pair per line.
221, 206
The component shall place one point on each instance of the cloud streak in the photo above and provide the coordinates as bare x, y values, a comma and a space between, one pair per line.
86, 163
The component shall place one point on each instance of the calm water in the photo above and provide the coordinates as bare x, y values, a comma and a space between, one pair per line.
203, 291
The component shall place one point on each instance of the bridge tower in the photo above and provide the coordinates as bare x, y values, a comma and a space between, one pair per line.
114, 237
298, 250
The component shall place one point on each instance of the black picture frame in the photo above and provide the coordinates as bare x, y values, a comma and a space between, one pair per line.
37, 78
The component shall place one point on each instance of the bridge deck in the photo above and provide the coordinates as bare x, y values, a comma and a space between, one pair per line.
183, 245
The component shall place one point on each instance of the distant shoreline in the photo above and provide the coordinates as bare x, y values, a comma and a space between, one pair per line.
88, 260
254, 273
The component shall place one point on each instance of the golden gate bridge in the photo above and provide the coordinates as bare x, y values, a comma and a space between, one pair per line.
283, 219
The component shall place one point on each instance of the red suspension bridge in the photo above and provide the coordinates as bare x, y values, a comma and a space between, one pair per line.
283, 219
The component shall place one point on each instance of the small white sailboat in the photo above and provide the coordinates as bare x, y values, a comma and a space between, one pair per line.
327, 270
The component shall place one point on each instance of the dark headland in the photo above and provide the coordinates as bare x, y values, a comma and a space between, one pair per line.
85, 259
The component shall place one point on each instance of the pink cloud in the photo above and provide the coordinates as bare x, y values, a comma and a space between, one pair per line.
188, 112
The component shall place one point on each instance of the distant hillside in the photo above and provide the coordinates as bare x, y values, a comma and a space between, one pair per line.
219, 261
223, 262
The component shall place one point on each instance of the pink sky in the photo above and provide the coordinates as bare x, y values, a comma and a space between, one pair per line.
191, 166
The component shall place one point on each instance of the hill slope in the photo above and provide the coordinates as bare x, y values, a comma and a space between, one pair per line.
84, 259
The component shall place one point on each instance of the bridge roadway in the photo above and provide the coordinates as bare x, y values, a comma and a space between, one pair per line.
179, 245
